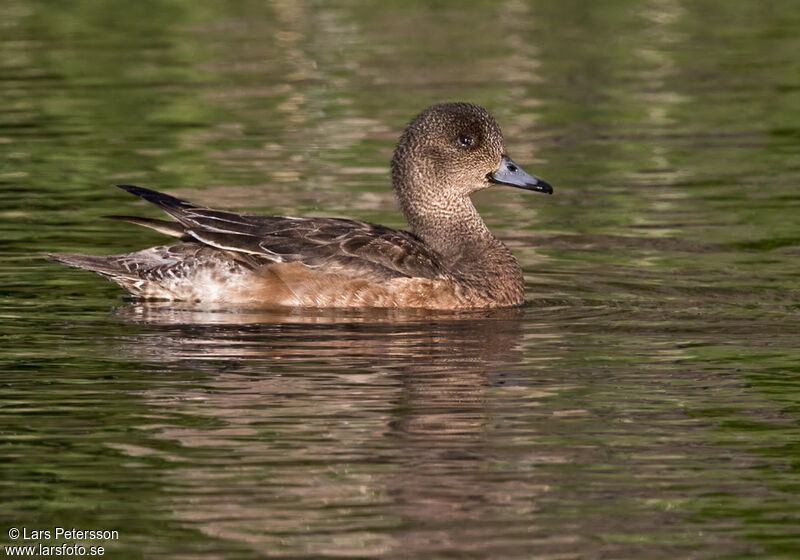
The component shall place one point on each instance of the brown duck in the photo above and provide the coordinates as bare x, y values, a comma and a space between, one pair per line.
448, 260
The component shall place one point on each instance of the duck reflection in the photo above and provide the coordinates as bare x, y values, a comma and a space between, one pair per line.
299, 425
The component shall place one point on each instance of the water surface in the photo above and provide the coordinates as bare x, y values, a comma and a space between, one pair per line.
644, 404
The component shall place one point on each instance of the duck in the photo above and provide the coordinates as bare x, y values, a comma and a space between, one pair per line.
447, 259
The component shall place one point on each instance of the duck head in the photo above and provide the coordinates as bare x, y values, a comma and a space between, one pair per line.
455, 149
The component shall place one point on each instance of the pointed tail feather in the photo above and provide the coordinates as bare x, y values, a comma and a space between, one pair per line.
105, 265
165, 201
178, 208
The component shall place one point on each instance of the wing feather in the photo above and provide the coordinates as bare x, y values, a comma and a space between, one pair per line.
345, 245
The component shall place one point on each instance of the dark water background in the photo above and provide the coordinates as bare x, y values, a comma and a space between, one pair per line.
644, 405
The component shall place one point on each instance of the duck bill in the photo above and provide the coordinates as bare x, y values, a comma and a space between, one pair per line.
509, 173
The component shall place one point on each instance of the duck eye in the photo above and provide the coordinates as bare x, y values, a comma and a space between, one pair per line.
465, 141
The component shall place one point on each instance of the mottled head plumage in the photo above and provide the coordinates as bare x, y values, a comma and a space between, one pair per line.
451, 147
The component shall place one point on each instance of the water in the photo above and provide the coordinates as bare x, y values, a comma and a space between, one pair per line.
645, 403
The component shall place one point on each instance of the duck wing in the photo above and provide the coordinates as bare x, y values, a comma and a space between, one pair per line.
334, 243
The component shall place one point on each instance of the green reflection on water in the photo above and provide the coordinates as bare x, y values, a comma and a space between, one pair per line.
644, 405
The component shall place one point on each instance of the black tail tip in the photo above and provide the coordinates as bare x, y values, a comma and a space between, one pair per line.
155, 197
133, 189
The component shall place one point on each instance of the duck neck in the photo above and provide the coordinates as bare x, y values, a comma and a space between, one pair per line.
443, 216
453, 228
